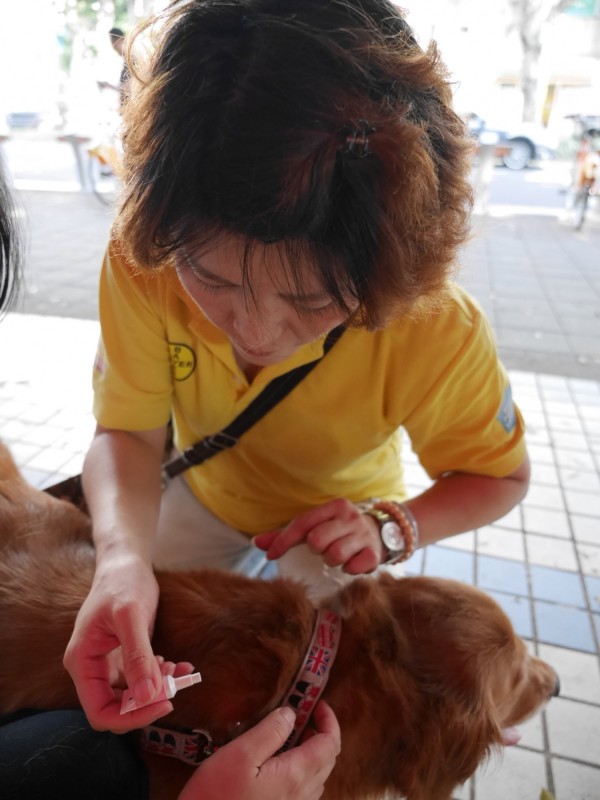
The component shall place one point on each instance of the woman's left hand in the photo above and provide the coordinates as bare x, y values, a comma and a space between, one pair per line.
337, 531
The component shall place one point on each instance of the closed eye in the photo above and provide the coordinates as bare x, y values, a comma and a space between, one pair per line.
326, 309
211, 287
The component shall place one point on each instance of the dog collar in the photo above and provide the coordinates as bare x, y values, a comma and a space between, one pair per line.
190, 746
194, 746
308, 685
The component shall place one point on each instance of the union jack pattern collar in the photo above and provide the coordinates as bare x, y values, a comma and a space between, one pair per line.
193, 746
308, 685
190, 746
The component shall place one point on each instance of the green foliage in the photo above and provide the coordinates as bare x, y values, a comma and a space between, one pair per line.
87, 19
121, 15
86, 13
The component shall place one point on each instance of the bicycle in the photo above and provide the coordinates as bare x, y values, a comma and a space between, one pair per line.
580, 204
586, 186
586, 172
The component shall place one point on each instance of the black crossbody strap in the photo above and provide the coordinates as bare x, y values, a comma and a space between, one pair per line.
272, 394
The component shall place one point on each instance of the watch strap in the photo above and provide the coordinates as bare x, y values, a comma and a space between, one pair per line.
383, 510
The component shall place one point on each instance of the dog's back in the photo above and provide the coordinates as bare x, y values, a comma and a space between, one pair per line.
428, 671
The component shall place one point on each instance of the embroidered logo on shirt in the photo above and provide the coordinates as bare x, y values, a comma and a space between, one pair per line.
506, 415
183, 360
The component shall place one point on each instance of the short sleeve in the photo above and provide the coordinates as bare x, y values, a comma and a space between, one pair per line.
132, 377
468, 421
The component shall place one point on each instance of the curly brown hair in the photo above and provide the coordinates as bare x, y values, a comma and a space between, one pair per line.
319, 127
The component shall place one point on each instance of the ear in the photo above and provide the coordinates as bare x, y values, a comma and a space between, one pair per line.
8, 469
470, 742
464, 742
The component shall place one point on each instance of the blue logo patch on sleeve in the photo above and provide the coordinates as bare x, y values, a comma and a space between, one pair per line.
506, 416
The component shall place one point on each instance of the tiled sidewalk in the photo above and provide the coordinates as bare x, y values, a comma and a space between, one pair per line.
541, 562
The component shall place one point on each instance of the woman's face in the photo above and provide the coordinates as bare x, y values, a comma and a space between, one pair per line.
270, 324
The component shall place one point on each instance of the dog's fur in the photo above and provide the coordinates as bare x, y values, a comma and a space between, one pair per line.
428, 672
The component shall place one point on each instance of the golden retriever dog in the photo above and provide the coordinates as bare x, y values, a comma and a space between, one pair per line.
428, 672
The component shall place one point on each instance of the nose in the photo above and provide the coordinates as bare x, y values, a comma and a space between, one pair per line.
556, 691
256, 330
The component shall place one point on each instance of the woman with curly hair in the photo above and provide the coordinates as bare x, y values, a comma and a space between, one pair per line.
294, 176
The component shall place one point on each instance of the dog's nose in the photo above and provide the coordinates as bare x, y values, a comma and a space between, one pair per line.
556, 691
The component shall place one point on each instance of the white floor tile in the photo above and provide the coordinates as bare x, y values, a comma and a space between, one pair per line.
573, 459
566, 409
575, 781
462, 792
569, 439
573, 730
551, 523
532, 733
50, 460
536, 435
579, 502
580, 480
546, 474
547, 497
463, 541
23, 453
590, 558
586, 529
492, 541
579, 673
520, 775
548, 551
543, 454
512, 520
568, 424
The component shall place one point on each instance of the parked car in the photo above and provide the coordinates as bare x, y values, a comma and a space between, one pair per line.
528, 142
518, 145
23, 119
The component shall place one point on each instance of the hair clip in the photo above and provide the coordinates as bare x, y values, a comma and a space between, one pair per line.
357, 139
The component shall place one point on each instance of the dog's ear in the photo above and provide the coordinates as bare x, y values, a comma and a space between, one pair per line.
462, 743
31, 518
457, 638
9, 479
8, 469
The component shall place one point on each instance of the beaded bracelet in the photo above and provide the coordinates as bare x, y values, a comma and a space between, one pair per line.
406, 521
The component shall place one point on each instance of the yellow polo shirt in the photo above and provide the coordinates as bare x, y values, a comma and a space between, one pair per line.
337, 433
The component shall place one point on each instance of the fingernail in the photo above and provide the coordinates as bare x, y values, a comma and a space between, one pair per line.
288, 714
144, 691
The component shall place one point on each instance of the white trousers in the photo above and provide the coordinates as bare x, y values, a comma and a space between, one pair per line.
190, 537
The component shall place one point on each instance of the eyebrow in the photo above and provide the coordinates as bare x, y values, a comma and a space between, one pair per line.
311, 297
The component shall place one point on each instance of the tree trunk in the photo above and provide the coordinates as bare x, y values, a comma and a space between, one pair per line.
529, 19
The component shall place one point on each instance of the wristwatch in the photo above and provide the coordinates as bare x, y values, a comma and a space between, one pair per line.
391, 535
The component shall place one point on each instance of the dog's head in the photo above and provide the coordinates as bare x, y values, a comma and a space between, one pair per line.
446, 674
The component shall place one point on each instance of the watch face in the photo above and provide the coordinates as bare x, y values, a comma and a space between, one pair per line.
391, 536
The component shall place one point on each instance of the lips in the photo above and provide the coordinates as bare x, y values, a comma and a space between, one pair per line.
253, 353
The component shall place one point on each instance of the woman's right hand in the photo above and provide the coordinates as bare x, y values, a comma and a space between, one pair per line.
110, 646
111, 642
248, 769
